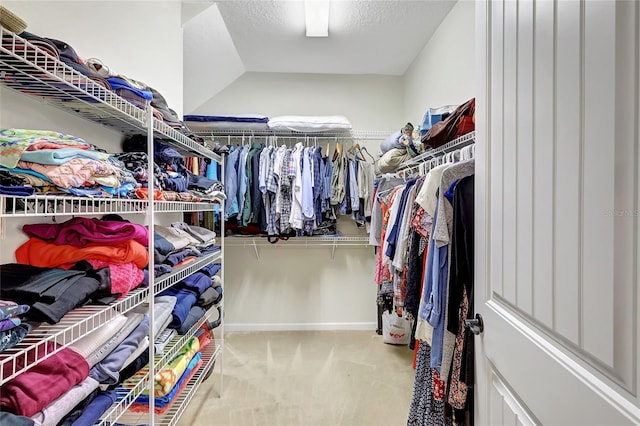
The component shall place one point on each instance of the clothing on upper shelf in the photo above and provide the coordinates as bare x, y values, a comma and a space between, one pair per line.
37, 161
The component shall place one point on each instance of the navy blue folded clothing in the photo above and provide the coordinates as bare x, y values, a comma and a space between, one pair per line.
226, 118
211, 269
185, 299
17, 191
69, 56
96, 409
76, 412
134, 366
161, 269
197, 283
209, 250
201, 183
174, 258
177, 183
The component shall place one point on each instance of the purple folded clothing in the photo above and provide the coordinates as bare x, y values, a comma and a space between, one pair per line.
80, 231
8, 324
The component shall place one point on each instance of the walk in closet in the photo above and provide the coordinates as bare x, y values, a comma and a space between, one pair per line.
298, 308
37, 74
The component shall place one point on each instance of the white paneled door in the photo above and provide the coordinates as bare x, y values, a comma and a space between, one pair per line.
557, 191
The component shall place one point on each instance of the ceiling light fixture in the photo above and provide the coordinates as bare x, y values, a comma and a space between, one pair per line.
316, 17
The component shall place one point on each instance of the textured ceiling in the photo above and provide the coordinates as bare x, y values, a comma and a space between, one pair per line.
365, 36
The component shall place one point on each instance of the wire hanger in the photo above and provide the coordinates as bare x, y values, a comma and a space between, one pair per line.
364, 148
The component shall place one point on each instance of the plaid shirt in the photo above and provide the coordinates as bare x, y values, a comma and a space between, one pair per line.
269, 196
284, 193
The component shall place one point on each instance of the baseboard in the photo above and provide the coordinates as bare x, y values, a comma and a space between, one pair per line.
302, 326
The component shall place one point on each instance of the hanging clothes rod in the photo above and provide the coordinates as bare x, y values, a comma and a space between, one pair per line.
352, 135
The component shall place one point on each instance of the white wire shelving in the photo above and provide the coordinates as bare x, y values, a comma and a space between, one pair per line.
351, 135
56, 205
458, 143
46, 340
165, 281
172, 415
126, 397
324, 240
184, 206
28, 69
33, 72
332, 241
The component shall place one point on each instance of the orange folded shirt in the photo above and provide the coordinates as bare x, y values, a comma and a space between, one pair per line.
36, 252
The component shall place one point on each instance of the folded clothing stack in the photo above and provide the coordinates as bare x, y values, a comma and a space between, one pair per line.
12, 331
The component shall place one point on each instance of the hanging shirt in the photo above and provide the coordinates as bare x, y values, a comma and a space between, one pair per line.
402, 242
284, 196
242, 180
366, 176
268, 195
295, 165
427, 197
308, 211
337, 180
353, 186
326, 189
231, 182
318, 181
392, 236
258, 215
393, 214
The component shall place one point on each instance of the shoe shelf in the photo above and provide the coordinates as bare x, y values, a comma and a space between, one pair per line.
46, 339
126, 397
30, 70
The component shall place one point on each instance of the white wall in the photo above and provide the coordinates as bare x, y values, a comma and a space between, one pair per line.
369, 102
140, 39
444, 72
298, 287
293, 287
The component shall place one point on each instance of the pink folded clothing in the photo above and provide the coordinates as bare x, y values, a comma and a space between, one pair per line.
37, 387
124, 276
80, 231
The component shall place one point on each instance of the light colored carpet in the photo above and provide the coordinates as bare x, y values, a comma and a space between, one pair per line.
306, 378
